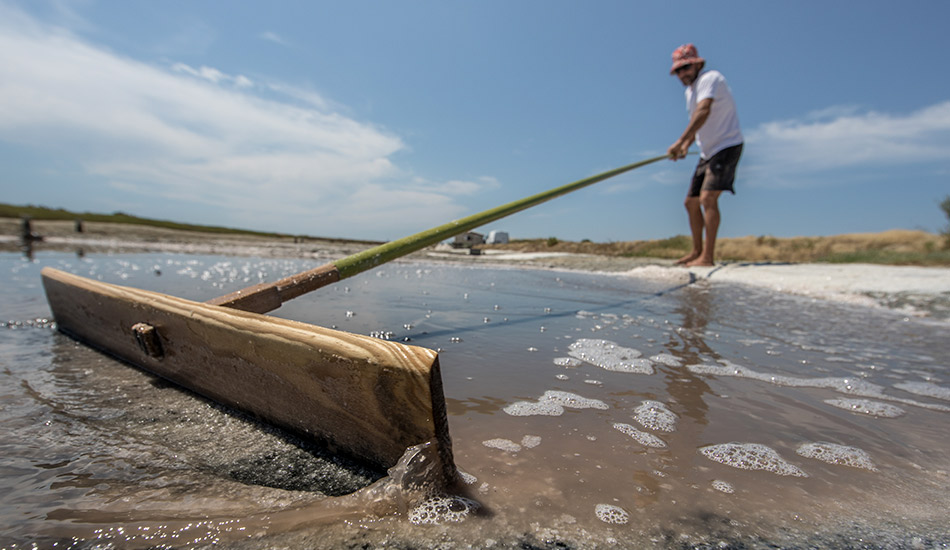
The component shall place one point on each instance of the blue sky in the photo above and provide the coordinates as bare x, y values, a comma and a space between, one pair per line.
376, 119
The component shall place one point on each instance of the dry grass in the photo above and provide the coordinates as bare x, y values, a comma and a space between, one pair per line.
899, 247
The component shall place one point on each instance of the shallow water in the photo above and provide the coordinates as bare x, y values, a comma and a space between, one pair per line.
587, 411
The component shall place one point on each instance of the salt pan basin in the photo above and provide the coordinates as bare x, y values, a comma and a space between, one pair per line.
586, 411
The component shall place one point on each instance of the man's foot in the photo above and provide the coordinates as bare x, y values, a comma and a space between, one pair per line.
688, 258
701, 262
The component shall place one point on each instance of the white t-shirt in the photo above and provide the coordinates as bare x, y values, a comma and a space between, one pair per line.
721, 129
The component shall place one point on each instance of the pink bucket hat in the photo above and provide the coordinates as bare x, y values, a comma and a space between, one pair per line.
685, 55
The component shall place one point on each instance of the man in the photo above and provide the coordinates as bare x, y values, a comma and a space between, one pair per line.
714, 126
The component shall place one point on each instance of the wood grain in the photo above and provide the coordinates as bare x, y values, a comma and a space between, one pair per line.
366, 397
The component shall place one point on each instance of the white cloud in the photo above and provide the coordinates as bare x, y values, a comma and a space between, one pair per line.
844, 138
201, 135
273, 37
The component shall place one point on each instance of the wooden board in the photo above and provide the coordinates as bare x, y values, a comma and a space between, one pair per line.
367, 397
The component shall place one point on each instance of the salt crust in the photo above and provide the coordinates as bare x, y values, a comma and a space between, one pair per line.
552, 403
608, 513
842, 455
866, 406
643, 438
442, 509
751, 456
654, 415
610, 356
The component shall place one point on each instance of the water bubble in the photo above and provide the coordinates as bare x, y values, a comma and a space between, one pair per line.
643, 438
751, 456
506, 445
552, 403
723, 486
608, 513
866, 406
655, 416
530, 441
567, 362
666, 359
610, 356
441, 509
925, 388
832, 453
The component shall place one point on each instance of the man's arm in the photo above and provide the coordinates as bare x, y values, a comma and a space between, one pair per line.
681, 146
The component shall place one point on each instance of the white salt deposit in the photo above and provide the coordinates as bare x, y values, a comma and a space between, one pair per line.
723, 486
832, 453
442, 509
925, 388
654, 415
567, 362
506, 445
608, 513
552, 403
751, 456
610, 356
643, 438
866, 406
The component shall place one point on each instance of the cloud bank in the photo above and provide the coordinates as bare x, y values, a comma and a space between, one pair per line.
258, 154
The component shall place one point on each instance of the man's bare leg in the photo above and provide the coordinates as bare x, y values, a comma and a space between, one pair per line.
710, 204
696, 225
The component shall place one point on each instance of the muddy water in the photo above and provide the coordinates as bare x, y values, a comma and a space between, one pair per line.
587, 411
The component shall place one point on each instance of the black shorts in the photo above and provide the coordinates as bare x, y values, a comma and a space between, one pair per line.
716, 173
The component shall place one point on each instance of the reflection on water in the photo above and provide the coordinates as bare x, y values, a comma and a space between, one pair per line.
586, 411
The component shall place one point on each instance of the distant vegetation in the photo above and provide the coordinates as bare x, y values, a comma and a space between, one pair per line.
897, 247
43, 213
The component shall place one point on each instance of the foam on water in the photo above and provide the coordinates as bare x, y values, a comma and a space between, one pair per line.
866, 406
610, 356
654, 415
723, 486
567, 362
832, 453
926, 389
643, 438
501, 444
846, 385
552, 403
443, 509
666, 359
608, 513
751, 456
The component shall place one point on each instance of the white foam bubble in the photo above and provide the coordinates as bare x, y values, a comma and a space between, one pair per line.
925, 388
832, 453
506, 445
654, 415
608, 513
666, 359
643, 438
530, 441
442, 509
846, 385
723, 486
552, 403
610, 356
567, 362
751, 456
866, 406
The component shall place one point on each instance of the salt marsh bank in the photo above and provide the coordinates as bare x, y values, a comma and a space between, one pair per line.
652, 408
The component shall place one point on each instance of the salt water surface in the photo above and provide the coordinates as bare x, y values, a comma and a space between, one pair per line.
586, 411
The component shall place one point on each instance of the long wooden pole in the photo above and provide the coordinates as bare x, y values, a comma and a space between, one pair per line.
269, 296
